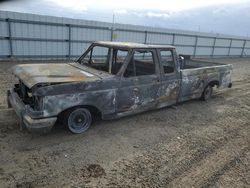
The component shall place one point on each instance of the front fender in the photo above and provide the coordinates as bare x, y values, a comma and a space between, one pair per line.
103, 100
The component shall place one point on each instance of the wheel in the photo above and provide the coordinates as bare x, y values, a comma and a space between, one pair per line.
79, 120
207, 93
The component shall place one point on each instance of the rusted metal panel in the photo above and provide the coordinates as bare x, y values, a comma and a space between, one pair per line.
194, 80
103, 100
51, 73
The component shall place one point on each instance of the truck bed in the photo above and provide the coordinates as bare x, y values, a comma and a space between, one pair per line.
196, 75
192, 64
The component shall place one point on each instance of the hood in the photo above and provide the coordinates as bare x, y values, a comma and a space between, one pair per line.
32, 74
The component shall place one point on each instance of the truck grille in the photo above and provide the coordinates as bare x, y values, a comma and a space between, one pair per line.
24, 93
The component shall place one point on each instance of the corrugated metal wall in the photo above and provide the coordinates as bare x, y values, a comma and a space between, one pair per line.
29, 36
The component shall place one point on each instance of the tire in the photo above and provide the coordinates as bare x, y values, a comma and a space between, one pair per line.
207, 93
79, 120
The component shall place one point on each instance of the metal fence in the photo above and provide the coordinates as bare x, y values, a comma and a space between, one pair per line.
28, 36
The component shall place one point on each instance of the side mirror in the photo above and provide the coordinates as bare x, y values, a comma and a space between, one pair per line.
181, 58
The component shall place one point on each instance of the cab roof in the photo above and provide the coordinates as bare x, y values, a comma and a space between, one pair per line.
131, 45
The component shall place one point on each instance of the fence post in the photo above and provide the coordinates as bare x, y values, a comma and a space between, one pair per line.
112, 33
146, 37
213, 47
195, 45
10, 36
229, 48
243, 48
173, 41
69, 41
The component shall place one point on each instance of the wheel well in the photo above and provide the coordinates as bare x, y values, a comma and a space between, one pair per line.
214, 83
95, 112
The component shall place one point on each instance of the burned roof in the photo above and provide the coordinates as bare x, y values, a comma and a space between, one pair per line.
131, 45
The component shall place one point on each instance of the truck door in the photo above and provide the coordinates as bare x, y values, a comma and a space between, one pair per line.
140, 83
170, 81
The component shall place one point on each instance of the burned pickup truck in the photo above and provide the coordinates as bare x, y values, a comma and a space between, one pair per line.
110, 80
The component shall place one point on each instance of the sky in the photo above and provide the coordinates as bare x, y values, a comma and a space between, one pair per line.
216, 16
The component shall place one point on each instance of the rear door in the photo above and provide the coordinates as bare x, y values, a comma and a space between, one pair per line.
140, 84
170, 79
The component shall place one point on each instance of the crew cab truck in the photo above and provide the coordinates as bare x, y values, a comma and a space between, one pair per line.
111, 80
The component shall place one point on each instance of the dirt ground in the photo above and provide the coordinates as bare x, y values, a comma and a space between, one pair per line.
193, 144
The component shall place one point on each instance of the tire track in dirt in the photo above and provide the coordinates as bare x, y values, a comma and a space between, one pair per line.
206, 171
235, 174
229, 166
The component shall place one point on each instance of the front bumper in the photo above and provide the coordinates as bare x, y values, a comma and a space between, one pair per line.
28, 117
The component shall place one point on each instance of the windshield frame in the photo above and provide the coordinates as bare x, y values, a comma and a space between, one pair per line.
109, 58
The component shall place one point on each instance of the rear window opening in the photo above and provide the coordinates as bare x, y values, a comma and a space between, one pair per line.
142, 63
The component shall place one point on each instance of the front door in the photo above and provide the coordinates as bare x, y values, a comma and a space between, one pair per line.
140, 83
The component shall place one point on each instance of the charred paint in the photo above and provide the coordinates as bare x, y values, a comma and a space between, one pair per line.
32, 74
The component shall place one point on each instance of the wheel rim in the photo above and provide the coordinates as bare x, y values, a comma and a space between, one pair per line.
79, 120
